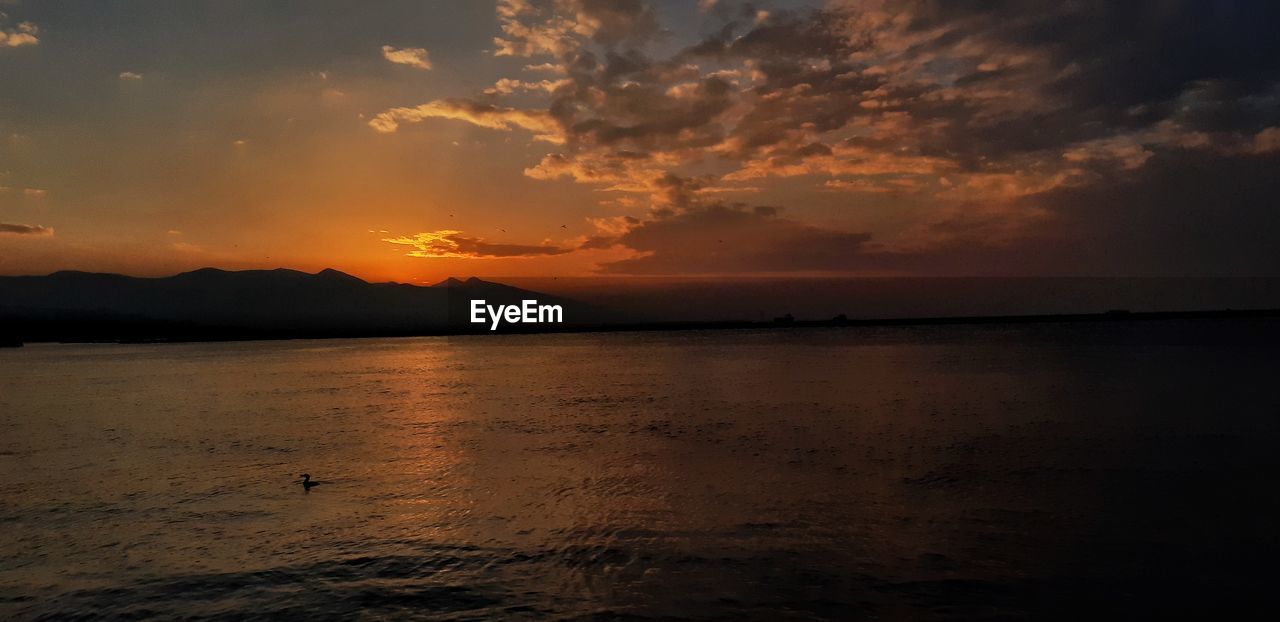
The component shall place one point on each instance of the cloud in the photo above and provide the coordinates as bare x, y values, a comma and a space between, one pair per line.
1267, 141
1185, 212
866, 89
1011, 184
507, 86
1160, 220
885, 185
477, 113
720, 239
558, 27
448, 243
546, 68
693, 232
130, 75
32, 230
976, 115
413, 57
24, 33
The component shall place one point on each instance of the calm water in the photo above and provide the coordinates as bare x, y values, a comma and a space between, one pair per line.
903, 473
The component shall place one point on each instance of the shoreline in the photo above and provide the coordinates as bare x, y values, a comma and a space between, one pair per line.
194, 334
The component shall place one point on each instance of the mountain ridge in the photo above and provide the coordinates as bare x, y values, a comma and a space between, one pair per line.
74, 305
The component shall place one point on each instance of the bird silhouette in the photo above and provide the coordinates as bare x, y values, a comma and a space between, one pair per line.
307, 484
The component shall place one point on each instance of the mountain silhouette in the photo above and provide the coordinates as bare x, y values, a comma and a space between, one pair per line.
214, 304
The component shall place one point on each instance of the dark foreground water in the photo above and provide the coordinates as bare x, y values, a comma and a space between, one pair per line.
902, 473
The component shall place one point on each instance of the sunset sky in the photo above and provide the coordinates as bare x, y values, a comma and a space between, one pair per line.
410, 141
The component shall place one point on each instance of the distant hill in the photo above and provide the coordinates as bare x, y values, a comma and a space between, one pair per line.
218, 304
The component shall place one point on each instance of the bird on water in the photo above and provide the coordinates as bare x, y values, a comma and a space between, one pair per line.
307, 484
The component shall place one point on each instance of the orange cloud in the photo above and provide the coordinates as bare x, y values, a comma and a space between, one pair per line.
24, 33
413, 57
490, 116
448, 243
33, 230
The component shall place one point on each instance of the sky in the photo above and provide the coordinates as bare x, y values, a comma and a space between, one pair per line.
410, 141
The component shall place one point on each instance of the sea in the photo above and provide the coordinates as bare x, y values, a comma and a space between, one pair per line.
1073, 470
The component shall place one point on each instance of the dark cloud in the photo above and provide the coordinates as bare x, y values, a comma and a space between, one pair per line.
25, 229
1160, 220
619, 22
1186, 212
1132, 53
984, 82
644, 117
725, 239
1100, 68
780, 35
